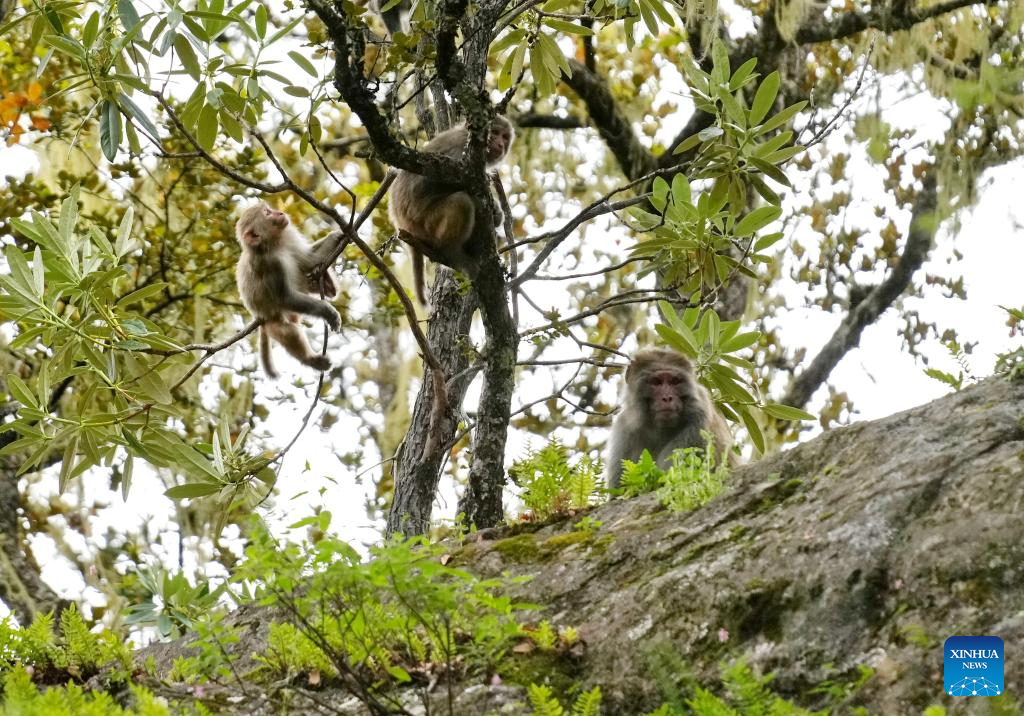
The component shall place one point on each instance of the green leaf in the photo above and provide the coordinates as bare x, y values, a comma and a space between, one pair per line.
770, 170
681, 193
753, 429
38, 272
138, 115
68, 219
192, 490
781, 118
765, 98
720, 59
206, 132
566, 26
110, 128
687, 144
261, 21
399, 673
740, 76
20, 391
66, 45
127, 470
188, 57
767, 240
737, 343
124, 232
126, 11
67, 464
785, 412
295, 91
286, 29
302, 62
757, 219
92, 27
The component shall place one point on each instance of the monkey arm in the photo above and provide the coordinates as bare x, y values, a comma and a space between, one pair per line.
312, 262
301, 303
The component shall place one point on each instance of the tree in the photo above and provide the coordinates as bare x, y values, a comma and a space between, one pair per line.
122, 295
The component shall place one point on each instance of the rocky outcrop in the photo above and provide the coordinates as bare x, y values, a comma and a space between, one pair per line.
869, 545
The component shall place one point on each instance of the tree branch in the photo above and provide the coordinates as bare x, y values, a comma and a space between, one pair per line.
923, 223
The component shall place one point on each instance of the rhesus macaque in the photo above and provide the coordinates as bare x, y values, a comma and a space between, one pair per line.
438, 217
274, 279
663, 408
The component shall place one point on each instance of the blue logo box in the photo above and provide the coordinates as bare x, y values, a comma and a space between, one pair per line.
973, 665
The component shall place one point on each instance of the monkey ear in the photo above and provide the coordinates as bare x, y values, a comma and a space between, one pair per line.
250, 238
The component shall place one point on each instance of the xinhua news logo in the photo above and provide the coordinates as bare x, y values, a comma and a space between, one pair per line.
973, 665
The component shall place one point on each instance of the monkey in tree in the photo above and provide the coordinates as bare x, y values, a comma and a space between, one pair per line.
663, 408
274, 276
438, 218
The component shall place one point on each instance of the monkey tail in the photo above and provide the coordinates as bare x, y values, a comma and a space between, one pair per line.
266, 356
417, 270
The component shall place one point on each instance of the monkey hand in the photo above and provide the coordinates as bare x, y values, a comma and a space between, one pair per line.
332, 317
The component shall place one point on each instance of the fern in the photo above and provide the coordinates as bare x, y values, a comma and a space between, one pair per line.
588, 703
543, 702
552, 485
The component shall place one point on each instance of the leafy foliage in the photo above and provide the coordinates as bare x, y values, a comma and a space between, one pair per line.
694, 478
174, 605
544, 703
393, 619
746, 695
22, 698
73, 652
552, 485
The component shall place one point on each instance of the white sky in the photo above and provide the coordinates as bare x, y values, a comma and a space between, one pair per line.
878, 375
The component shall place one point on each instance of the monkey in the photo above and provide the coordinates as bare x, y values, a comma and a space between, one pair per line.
663, 408
274, 276
438, 218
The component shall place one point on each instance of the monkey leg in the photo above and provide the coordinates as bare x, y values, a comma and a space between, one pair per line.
449, 223
266, 355
293, 338
300, 303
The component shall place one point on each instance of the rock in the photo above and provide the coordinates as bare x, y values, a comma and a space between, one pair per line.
869, 545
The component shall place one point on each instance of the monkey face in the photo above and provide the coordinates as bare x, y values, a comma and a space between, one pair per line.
668, 394
275, 218
499, 140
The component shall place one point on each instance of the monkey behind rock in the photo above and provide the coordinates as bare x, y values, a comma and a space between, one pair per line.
663, 408
273, 276
439, 218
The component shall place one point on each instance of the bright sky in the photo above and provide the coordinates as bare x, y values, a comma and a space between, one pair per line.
879, 376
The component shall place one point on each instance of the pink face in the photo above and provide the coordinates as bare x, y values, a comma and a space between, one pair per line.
666, 390
275, 217
498, 141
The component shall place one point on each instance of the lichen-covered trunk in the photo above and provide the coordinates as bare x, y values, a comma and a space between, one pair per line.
416, 476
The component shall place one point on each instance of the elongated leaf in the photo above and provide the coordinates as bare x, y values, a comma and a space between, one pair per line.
66, 45
68, 219
305, 64
66, 465
192, 489
757, 219
126, 11
124, 232
764, 98
187, 56
782, 117
20, 391
740, 76
566, 26
127, 470
753, 429
138, 115
261, 21
110, 128
206, 131
785, 412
